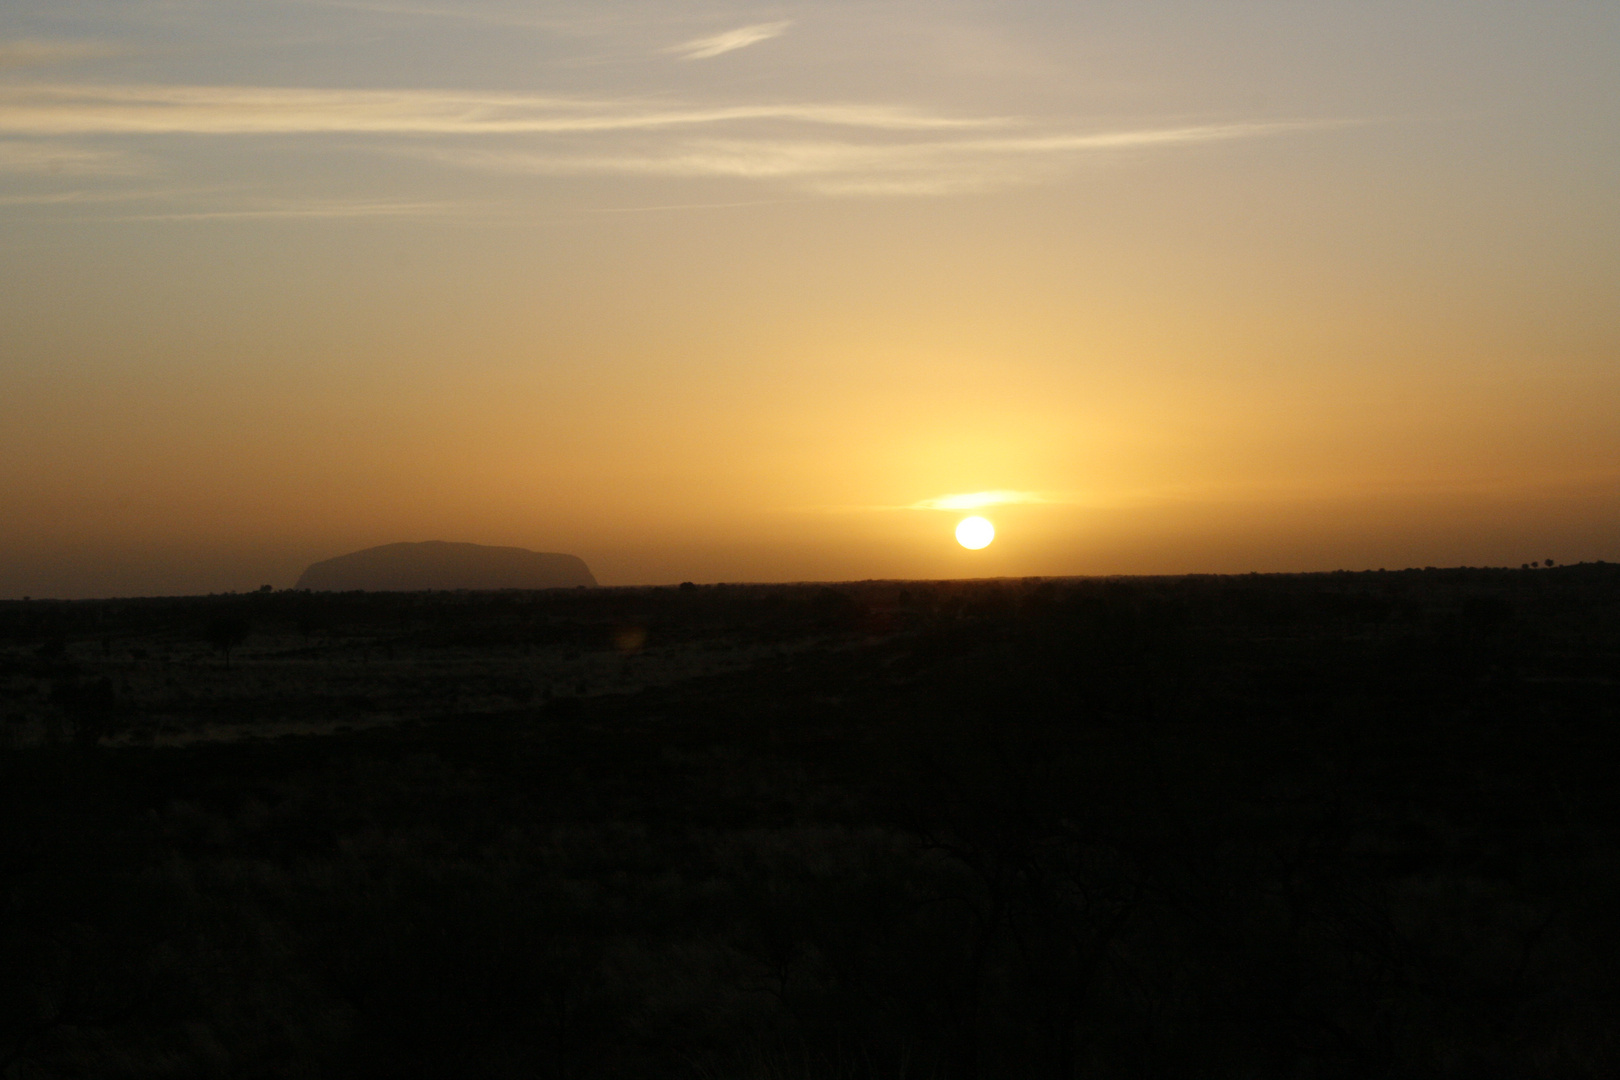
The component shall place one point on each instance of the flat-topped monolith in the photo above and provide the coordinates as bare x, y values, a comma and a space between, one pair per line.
436, 564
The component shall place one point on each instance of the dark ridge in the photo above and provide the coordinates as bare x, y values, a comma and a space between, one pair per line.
437, 564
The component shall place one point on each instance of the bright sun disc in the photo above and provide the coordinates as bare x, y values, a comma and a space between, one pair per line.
974, 533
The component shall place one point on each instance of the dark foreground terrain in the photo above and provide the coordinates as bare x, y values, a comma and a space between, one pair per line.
1342, 825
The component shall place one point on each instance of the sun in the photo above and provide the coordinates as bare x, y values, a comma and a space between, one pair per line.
974, 533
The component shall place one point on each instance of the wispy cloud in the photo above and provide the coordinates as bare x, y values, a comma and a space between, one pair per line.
960, 501
978, 500
1518, 483
848, 167
730, 41
813, 148
41, 53
231, 110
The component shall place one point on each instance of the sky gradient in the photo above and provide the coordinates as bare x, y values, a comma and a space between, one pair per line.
755, 292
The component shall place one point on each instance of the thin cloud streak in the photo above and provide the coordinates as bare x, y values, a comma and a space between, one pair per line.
958, 502
978, 500
730, 41
229, 110
859, 151
831, 167
1517, 484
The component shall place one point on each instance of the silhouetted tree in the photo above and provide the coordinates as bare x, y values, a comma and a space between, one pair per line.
226, 631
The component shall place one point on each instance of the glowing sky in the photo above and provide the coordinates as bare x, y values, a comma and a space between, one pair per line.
778, 292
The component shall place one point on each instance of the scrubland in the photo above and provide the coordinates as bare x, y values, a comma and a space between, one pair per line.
1334, 825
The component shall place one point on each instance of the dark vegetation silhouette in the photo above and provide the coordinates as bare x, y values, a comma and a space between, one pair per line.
1315, 826
225, 631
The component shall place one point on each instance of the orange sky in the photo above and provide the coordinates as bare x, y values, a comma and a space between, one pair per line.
726, 294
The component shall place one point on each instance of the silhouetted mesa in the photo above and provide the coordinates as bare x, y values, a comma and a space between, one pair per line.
436, 564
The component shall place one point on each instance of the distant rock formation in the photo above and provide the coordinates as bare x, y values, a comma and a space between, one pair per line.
440, 565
